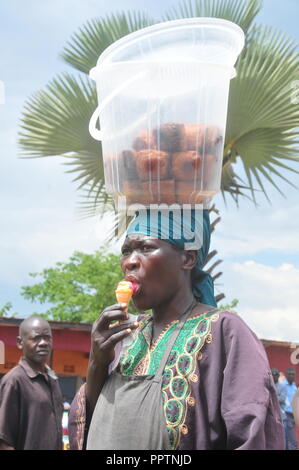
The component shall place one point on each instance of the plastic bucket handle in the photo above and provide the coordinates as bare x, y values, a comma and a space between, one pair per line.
94, 132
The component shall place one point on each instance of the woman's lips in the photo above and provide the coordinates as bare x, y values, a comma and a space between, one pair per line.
135, 285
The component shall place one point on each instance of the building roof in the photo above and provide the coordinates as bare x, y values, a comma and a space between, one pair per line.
78, 326
55, 324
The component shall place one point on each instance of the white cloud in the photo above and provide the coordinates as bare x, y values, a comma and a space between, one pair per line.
268, 298
38, 238
249, 231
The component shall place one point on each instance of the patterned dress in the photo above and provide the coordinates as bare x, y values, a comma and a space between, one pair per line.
217, 390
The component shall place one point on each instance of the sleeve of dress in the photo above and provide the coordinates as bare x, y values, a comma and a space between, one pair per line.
77, 424
249, 404
9, 412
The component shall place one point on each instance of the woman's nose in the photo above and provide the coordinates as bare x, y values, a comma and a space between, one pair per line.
131, 263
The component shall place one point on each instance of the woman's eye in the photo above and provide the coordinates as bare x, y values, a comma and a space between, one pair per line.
125, 252
148, 248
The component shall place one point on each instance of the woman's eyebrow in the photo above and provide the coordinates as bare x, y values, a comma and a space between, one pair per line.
132, 242
136, 242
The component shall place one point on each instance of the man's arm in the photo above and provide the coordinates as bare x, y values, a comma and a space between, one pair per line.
9, 413
282, 395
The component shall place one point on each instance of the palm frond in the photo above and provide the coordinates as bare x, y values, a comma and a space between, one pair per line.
94, 201
242, 13
212, 254
88, 167
262, 127
260, 94
260, 151
230, 184
55, 121
86, 45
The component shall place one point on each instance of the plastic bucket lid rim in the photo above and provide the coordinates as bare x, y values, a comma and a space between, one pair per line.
96, 71
166, 27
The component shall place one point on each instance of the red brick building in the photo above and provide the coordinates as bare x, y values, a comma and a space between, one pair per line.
71, 343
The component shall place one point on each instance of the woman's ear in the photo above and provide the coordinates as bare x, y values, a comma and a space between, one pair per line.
189, 259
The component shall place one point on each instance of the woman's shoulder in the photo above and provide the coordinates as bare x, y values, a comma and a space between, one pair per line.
229, 320
230, 328
222, 317
229, 317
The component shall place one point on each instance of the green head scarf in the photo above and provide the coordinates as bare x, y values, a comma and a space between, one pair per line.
187, 230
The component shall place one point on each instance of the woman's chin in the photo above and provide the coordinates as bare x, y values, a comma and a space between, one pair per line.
142, 304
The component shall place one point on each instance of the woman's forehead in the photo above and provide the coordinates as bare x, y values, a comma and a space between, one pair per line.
138, 237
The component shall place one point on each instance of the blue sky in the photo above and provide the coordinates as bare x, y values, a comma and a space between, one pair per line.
39, 224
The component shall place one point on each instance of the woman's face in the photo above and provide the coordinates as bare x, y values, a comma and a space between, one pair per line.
155, 265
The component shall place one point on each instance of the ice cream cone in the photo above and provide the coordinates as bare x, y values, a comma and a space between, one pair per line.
124, 292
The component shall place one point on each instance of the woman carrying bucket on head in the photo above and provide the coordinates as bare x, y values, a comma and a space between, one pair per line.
187, 375
193, 377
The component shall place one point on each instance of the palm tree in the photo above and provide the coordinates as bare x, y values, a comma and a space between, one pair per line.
262, 122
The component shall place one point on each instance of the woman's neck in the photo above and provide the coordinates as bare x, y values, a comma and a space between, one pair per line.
169, 311
172, 309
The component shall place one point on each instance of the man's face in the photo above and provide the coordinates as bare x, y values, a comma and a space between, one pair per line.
290, 375
155, 265
275, 375
36, 341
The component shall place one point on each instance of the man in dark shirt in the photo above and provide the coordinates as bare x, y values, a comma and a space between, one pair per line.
31, 404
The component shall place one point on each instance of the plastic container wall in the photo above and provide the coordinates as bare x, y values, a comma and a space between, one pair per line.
163, 94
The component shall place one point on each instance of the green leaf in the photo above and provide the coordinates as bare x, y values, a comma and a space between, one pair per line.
78, 289
86, 45
55, 121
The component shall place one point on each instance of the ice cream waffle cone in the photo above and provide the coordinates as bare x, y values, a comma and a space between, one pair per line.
124, 292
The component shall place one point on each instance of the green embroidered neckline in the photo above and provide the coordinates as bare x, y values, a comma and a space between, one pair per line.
143, 359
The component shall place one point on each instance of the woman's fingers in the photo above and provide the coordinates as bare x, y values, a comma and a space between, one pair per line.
110, 314
116, 327
112, 340
111, 327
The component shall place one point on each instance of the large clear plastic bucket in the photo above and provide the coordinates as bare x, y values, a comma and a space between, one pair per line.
163, 96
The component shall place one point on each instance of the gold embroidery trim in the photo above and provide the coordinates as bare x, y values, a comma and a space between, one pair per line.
191, 401
184, 429
209, 338
215, 317
194, 378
